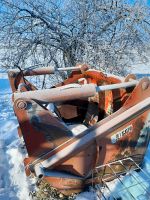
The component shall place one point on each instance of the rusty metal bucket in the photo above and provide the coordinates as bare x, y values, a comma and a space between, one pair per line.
96, 120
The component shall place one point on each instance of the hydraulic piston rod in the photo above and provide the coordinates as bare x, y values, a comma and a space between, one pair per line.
43, 70
70, 92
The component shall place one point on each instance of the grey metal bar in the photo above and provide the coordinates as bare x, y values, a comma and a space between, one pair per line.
135, 178
116, 86
125, 188
120, 181
139, 168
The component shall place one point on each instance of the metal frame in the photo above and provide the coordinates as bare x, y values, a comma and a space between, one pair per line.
105, 191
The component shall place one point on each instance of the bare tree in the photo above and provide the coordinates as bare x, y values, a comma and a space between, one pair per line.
106, 34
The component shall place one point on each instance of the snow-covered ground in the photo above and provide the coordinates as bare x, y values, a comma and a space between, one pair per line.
13, 182
14, 185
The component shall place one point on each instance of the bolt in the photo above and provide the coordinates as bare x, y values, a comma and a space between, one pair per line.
145, 85
21, 104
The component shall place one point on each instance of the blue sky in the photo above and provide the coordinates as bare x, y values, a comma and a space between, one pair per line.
148, 2
133, 1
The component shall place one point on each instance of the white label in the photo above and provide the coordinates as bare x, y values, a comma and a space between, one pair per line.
120, 134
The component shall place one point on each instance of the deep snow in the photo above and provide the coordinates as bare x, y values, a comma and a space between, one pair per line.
14, 185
